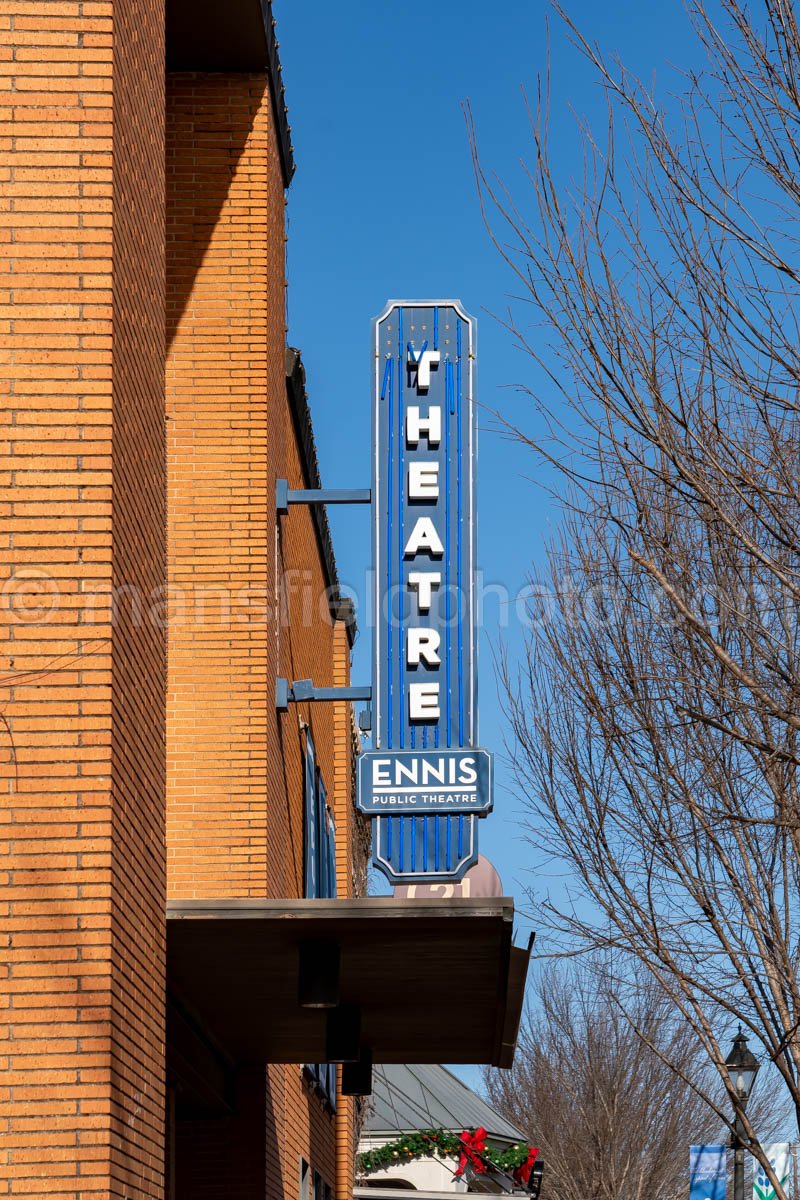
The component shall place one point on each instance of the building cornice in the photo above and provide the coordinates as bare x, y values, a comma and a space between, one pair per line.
278, 95
231, 36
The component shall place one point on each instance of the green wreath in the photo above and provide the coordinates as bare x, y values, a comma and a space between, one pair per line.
441, 1143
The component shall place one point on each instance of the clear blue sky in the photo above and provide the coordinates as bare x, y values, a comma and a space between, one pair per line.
384, 205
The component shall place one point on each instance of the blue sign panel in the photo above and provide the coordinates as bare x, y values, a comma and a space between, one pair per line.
425, 781
425, 848
425, 674
424, 527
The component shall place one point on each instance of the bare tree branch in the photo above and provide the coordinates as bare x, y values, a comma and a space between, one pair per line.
655, 717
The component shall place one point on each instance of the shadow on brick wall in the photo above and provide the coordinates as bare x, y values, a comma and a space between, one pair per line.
210, 117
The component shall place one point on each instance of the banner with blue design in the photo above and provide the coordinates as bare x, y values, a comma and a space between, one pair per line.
779, 1155
707, 1172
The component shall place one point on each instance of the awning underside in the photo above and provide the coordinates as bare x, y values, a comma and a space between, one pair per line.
436, 981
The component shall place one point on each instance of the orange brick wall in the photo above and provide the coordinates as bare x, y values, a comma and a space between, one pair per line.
353, 831
85, 704
225, 323
228, 1157
305, 639
247, 592
255, 1154
81, 512
138, 677
352, 852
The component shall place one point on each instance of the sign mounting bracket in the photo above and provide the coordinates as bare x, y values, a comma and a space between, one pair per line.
284, 495
303, 689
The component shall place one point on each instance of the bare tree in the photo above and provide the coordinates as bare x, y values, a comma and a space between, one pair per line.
611, 1119
656, 718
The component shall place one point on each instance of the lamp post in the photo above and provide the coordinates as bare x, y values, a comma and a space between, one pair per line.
742, 1067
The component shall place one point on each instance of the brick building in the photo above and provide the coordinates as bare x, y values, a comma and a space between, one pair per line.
171, 842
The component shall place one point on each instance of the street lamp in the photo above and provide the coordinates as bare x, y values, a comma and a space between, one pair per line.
742, 1067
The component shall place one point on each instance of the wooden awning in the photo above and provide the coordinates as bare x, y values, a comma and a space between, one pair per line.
435, 980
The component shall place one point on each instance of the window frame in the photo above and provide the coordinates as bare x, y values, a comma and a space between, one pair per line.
319, 830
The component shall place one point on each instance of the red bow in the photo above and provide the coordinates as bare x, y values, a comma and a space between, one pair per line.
472, 1146
522, 1173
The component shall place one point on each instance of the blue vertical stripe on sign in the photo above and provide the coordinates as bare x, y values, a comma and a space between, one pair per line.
400, 456
459, 587
459, 598
389, 598
388, 378
448, 392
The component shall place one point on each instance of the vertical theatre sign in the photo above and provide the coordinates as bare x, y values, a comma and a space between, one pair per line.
426, 782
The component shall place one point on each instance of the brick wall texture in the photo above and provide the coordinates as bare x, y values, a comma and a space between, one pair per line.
247, 595
82, 512
225, 373
141, 758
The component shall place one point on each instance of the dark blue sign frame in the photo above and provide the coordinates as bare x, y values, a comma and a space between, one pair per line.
408, 336
424, 691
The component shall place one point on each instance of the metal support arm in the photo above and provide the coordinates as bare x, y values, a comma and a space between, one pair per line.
303, 689
284, 495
